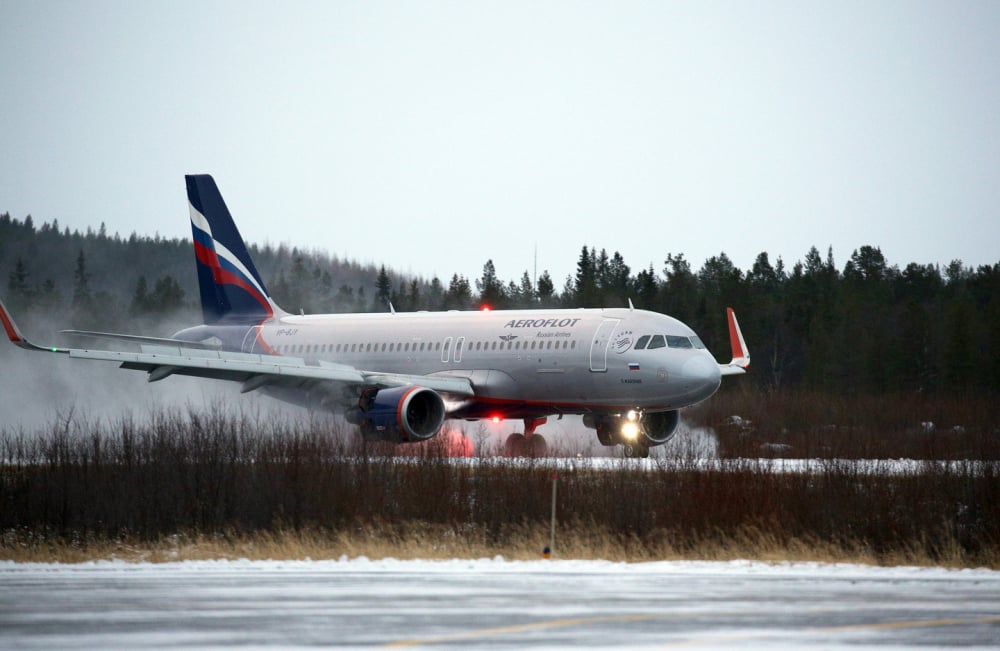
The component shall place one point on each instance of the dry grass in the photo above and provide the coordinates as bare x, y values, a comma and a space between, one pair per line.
219, 485
429, 542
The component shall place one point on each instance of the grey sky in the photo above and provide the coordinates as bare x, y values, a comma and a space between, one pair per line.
432, 136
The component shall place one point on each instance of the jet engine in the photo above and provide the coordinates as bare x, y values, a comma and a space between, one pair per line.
647, 429
400, 414
658, 427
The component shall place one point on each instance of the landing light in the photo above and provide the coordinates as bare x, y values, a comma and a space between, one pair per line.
630, 430
632, 416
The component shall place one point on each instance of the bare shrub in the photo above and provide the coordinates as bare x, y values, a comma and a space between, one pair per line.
235, 482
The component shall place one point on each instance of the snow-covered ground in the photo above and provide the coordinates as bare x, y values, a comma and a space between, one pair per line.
494, 603
850, 466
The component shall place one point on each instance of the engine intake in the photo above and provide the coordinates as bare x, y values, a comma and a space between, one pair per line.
658, 427
400, 414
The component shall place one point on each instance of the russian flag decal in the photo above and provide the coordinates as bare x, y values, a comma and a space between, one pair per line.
633, 366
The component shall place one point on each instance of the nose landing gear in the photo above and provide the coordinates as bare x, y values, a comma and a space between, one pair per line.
636, 450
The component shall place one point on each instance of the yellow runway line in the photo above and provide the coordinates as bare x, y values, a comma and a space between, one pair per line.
624, 619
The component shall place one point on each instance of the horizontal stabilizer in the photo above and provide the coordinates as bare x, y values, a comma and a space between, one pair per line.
138, 339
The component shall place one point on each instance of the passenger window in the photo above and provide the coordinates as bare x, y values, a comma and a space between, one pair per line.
656, 341
678, 342
643, 340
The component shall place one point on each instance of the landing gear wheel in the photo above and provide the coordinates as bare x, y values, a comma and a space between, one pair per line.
633, 450
539, 448
516, 446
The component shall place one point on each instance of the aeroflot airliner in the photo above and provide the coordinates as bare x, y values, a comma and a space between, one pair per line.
398, 376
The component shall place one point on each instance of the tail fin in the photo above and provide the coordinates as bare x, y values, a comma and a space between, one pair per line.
231, 289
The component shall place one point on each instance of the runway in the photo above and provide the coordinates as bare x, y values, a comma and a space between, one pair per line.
492, 603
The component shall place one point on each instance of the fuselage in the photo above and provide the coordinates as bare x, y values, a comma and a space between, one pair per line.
521, 362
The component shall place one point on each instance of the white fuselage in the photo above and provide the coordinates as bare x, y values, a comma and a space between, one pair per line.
569, 361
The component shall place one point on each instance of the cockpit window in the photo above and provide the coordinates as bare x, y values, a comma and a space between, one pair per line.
697, 342
643, 340
656, 341
678, 342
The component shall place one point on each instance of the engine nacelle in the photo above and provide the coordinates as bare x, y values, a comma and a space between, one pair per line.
399, 414
650, 429
658, 427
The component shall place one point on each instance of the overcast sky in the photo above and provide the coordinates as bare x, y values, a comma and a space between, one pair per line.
431, 136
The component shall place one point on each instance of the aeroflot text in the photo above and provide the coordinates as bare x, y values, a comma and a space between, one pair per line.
541, 323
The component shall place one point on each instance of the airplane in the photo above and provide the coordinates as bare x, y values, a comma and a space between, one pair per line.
398, 376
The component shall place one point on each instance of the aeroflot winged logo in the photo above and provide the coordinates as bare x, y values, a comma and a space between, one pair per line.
508, 337
622, 342
541, 323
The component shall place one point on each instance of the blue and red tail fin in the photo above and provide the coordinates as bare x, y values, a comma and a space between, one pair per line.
231, 289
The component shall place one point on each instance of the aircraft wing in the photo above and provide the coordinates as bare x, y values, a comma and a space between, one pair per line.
741, 355
252, 370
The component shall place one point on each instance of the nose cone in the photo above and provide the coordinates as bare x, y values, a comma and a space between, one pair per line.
702, 377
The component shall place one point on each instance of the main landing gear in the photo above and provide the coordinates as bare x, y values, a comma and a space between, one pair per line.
528, 444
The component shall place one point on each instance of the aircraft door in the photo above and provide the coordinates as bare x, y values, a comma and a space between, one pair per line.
250, 341
599, 346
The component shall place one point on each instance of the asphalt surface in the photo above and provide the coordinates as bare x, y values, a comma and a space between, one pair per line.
494, 604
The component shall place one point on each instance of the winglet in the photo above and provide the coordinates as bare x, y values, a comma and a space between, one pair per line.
741, 356
14, 333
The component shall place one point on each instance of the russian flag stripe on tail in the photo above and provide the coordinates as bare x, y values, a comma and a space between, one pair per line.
231, 289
